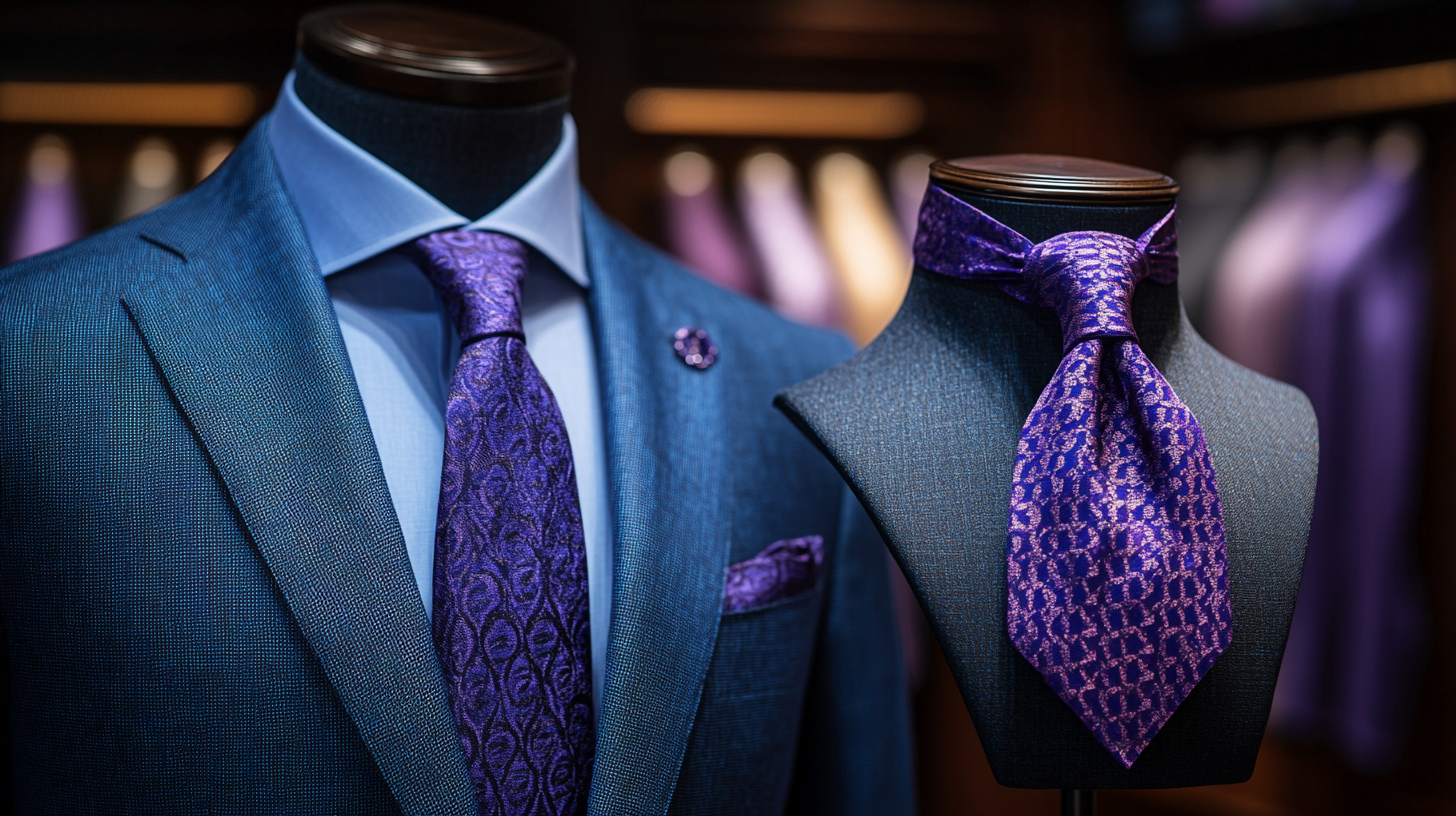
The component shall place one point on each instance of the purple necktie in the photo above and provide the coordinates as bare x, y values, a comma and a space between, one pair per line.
1116, 572
510, 621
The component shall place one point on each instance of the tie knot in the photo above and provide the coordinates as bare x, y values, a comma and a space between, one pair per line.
478, 276
1087, 278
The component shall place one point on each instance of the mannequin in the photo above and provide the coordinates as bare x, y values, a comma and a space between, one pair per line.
924, 423
483, 100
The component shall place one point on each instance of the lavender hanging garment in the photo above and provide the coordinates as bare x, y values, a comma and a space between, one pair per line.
1117, 588
48, 209
699, 229
1352, 666
1254, 291
798, 278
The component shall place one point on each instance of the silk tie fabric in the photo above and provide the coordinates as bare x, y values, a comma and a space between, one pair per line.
1116, 568
510, 589
783, 570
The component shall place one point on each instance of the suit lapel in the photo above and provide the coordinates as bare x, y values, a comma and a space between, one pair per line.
671, 494
242, 332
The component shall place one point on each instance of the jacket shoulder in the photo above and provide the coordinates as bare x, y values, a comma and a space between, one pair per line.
94, 266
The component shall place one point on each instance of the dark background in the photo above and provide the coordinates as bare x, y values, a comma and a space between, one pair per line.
1097, 78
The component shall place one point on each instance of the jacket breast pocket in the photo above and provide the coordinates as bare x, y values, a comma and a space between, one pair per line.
740, 756
784, 570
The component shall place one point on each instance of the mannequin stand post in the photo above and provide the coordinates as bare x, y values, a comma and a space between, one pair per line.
1079, 802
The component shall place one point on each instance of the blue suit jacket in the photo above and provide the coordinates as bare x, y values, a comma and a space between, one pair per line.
207, 599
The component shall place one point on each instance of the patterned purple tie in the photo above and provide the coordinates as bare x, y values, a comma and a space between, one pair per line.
510, 619
1116, 573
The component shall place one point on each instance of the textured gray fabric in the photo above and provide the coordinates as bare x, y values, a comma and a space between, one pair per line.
1038, 220
924, 425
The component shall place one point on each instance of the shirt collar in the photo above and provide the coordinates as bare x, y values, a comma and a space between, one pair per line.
354, 206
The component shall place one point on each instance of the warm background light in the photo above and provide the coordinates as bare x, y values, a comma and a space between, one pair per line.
50, 162
688, 173
123, 103
153, 176
713, 112
1388, 89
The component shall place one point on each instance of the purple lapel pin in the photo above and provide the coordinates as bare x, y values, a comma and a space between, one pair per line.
695, 347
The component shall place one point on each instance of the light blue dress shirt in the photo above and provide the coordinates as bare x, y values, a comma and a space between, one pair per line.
356, 211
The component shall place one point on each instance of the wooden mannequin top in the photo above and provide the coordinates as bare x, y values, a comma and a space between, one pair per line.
466, 107
924, 422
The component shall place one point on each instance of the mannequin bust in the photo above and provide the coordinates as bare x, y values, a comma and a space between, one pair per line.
466, 107
924, 423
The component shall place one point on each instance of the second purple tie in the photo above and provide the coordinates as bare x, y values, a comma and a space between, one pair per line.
510, 610
1116, 564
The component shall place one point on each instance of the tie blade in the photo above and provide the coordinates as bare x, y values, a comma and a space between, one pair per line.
1124, 698
511, 621
1117, 589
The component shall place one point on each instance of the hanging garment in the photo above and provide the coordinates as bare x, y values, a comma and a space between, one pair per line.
1116, 567
870, 257
1217, 189
1351, 667
908, 178
700, 231
797, 276
153, 176
48, 209
1253, 294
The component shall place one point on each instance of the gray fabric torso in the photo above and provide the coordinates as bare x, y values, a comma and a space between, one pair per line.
924, 424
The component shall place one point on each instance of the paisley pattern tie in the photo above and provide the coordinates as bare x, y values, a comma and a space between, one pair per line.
510, 617
1116, 568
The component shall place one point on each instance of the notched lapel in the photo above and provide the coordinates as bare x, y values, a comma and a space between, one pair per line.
243, 335
672, 497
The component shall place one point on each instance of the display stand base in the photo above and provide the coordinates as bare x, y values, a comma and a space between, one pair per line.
1079, 802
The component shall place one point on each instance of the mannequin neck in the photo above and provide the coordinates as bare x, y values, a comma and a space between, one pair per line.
471, 159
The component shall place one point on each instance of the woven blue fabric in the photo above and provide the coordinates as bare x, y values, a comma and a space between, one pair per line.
207, 598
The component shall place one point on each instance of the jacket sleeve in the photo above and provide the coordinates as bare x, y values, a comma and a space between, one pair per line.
854, 748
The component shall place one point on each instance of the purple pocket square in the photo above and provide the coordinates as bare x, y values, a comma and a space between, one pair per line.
784, 569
